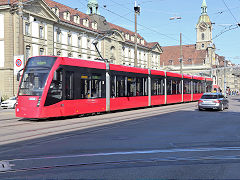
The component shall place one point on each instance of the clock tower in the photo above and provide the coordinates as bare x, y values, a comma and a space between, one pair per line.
204, 29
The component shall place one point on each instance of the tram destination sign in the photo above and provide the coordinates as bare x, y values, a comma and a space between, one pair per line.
41, 61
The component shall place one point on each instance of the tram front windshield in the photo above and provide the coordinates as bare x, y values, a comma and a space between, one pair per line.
35, 75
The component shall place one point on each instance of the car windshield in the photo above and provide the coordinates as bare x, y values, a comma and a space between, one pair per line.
35, 75
12, 98
209, 97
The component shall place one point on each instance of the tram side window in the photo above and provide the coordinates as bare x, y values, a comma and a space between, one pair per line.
145, 86
199, 84
195, 87
174, 87
186, 87
204, 87
55, 90
141, 86
85, 87
96, 86
91, 86
69, 85
113, 87
209, 86
169, 87
120, 86
157, 87
131, 86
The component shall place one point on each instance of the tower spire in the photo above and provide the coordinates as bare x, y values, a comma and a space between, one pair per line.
204, 7
92, 7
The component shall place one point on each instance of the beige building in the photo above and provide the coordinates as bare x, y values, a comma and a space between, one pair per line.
51, 28
226, 74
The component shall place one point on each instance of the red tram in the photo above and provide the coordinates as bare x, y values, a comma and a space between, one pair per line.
60, 86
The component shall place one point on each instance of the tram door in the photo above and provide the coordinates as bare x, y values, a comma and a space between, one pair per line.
68, 107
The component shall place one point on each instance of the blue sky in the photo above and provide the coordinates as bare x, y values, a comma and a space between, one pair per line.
154, 24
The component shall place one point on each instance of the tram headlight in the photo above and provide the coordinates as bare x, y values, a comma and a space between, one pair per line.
39, 100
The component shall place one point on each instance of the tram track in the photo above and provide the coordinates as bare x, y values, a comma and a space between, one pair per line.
49, 130
137, 162
37, 163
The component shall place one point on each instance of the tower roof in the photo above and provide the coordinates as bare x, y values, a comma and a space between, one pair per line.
204, 16
204, 4
204, 7
92, 2
92, 7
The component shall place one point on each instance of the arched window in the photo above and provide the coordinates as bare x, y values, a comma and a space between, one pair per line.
112, 50
41, 51
203, 36
59, 53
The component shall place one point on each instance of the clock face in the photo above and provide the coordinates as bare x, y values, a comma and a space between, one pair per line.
203, 26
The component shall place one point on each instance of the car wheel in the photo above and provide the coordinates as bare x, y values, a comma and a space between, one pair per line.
200, 109
221, 107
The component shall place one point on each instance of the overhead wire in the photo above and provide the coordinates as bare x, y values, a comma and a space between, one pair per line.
104, 8
230, 12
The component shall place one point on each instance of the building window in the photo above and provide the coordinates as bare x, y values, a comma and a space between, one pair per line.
59, 53
88, 44
189, 60
79, 41
28, 52
112, 50
138, 40
27, 28
94, 25
132, 38
127, 36
41, 51
86, 22
76, 19
55, 10
203, 37
69, 39
66, 16
41, 32
170, 62
58, 36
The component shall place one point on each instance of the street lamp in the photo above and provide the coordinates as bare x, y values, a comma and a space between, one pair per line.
225, 76
181, 54
137, 12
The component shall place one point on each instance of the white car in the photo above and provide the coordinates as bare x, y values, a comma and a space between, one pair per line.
10, 103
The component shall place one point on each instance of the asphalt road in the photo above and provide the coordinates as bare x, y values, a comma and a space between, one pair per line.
175, 141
